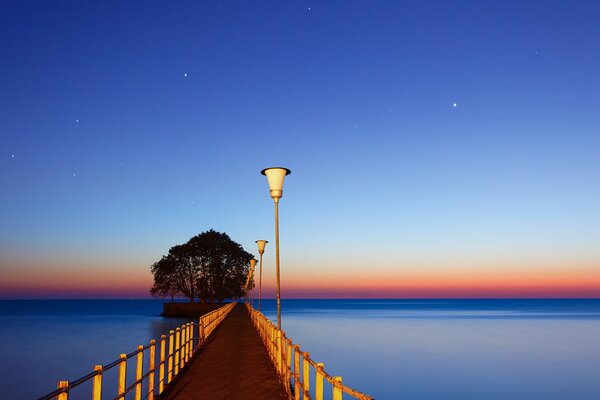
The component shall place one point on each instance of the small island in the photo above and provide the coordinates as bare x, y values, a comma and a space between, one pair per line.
208, 269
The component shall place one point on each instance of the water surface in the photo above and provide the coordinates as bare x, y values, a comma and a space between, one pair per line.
391, 349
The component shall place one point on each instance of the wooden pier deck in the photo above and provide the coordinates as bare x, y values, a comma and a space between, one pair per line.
233, 364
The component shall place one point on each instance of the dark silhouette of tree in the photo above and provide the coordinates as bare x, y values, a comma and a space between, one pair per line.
164, 278
209, 267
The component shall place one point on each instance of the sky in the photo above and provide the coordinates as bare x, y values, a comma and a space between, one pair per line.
437, 149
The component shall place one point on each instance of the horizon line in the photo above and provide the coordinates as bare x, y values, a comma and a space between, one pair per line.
183, 300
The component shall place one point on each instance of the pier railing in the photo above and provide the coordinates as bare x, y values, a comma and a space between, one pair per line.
175, 351
295, 367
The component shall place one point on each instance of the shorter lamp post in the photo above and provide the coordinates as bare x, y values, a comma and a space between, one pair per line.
261, 250
250, 277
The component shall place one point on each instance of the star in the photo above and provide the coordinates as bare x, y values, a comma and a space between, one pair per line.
13, 156
454, 105
355, 126
308, 8
73, 174
77, 121
185, 75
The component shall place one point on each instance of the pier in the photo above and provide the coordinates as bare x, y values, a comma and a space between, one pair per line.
233, 364
234, 352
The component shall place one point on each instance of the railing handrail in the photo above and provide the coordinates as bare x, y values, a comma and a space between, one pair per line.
178, 356
280, 348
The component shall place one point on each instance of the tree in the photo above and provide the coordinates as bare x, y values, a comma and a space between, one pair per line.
209, 267
164, 278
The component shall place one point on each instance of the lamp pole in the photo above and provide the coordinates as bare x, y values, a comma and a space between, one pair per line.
247, 285
250, 277
275, 176
261, 250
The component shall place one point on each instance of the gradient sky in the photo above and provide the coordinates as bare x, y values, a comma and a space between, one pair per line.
437, 149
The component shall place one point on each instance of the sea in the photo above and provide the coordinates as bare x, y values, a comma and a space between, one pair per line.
390, 349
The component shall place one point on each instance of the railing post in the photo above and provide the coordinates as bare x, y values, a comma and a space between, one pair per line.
319, 382
151, 369
161, 374
273, 345
201, 331
122, 375
187, 343
297, 372
97, 383
61, 385
337, 388
288, 363
306, 374
183, 346
191, 339
139, 371
170, 365
177, 337
278, 345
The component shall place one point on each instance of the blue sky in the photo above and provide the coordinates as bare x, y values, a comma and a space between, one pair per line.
438, 134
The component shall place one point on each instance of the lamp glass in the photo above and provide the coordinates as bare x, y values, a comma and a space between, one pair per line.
275, 177
261, 245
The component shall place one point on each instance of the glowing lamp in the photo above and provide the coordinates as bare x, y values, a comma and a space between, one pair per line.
275, 176
261, 246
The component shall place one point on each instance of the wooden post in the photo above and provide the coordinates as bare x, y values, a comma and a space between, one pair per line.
151, 369
278, 345
61, 385
187, 343
191, 339
186, 349
288, 363
201, 333
170, 366
161, 374
337, 388
297, 372
319, 382
122, 375
306, 373
177, 337
274, 347
139, 371
97, 383
183, 346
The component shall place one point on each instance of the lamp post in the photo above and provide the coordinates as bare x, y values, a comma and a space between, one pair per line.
249, 283
275, 176
261, 250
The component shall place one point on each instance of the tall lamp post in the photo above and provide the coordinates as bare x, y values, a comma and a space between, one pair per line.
261, 250
275, 177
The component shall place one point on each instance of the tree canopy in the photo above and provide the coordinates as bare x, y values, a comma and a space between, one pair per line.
209, 267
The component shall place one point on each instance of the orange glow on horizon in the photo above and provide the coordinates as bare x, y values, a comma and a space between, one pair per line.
126, 281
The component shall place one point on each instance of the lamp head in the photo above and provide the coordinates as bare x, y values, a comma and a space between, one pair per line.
252, 264
261, 246
275, 177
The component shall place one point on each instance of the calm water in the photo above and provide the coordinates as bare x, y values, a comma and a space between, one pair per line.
392, 349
